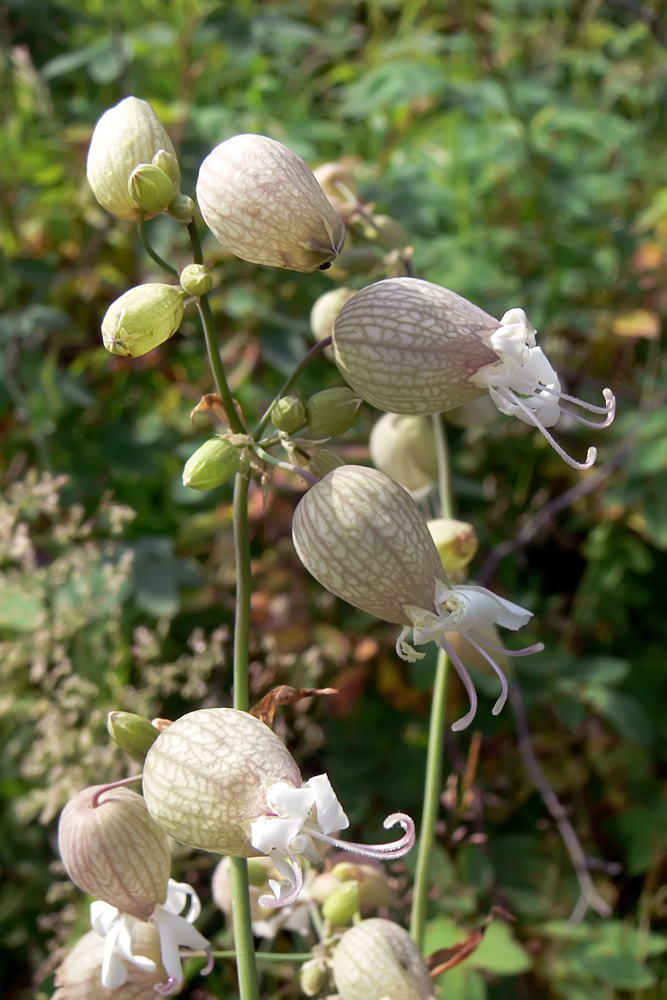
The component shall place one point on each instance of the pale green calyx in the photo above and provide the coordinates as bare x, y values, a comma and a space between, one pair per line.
343, 903
332, 411
196, 279
168, 162
263, 203
456, 541
125, 136
403, 448
213, 464
378, 960
141, 319
323, 461
151, 188
182, 208
113, 849
134, 734
365, 539
289, 414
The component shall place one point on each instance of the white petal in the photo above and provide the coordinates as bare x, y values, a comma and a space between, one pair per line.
103, 916
114, 972
509, 615
289, 801
269, 832
177, 897
168, 941
330, 814
125, 945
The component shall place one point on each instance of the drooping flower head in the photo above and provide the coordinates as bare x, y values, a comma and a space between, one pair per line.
220, 780
409, 346
262, 202
377, 959
113, 849
365, 539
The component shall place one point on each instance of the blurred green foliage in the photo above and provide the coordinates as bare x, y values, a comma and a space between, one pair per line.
522, 143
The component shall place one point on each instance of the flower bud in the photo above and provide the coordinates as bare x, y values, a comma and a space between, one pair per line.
312, 976
323, 461
151, 188
343, 903
288, 415
324, 312
141, 319
213, 464
477, 413
132, 733
409, 346
404, 449
79, 976
339, 185
456, 542
168, 162
196, 279
125, 136
377, 959
114, 850
354, 260
389, 233
332, 411
262, 202
182, 208
374, 887
382, 557
206, 778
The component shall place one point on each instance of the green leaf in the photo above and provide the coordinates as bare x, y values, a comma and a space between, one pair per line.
621, 971
500, 953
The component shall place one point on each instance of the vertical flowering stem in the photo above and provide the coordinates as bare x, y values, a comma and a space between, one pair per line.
436, 732
243, 937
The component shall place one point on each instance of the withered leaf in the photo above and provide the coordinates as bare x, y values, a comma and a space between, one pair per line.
265, 709
447, 958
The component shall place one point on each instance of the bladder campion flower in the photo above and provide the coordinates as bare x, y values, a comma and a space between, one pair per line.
142, 318
404, 449
365, 539
220, 780
410, 346
262, 202
112, 848
378, 960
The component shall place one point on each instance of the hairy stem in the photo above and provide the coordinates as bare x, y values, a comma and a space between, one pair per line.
436, 731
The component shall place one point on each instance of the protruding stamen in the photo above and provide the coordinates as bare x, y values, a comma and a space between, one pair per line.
381, 851
537, 647
609, 409
169, 988
209, 964
500, 703
294, 880
95, 801
467, 683
591, 455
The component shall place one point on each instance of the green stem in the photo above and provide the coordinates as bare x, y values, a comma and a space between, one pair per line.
314, 352
436, 731
432, 787
204, 307
262, 956
195, 243
264, 455
141, 227
243, 593
243, 938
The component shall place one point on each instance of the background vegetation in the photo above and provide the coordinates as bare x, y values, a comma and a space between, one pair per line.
523, 145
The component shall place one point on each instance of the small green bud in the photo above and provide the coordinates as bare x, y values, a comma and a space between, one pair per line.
151, 188
389, 233
342, 904
332, 411
456, 541
196, 279
289, 414
211, 465
182, 208
167, 161
323, 461
312, 976
132, 733
141, 319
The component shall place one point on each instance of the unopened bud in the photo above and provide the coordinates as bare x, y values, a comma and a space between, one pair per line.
79, 977
456, 541
288, 415
196, 279
115, 851
168, 162
182, 209
263, 203
342, 904
312, 976
377, 959
353, 260
338, 183
389, 233
374, 887
141, 319
213, 464
325, 310
323, 461
332, 411
477, 413
404, 449
125, 136
150, 188
132, 733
